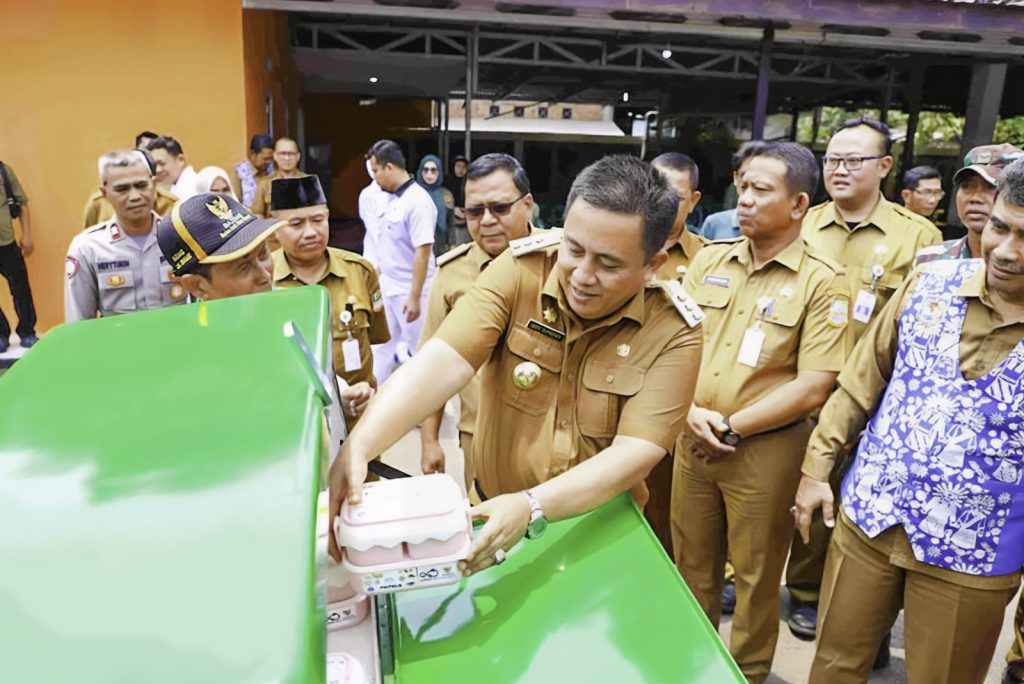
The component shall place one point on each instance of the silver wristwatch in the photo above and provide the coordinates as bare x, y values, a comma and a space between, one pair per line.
538, 523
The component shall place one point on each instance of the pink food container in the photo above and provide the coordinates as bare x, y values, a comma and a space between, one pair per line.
406, 533
343, 668
345, 607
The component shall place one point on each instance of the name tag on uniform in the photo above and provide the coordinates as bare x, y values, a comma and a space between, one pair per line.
750, 350
112, 265
537, 326
864, 306
717, 281
350, 354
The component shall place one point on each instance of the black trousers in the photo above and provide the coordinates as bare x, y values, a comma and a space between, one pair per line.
12, 267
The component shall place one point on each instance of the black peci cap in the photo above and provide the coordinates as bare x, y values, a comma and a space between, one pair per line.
295, 193
210, 229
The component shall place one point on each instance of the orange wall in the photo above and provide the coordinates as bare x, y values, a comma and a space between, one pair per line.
82, 78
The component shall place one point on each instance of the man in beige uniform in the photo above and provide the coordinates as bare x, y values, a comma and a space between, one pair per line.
286, 163
588, 369
498, 208
776, 315
874, 241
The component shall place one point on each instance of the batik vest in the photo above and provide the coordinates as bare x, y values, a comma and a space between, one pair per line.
247, 179
942, 455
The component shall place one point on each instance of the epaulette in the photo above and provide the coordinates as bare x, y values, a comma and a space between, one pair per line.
916, 218
533, 243
681, 300
834, 265
453, 253
99, 226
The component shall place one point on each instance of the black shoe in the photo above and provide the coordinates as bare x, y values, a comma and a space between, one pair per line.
4, 344
802, 620
729, 598
28, 340
883, 656
1014, 675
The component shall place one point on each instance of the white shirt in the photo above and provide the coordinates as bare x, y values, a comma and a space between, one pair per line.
372, 202
187, 184
408, 222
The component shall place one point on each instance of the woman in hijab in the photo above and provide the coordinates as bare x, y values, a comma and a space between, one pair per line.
430, 177
215, 179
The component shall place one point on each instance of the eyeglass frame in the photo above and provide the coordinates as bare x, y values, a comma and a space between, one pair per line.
930, 193
826, 160
479, 211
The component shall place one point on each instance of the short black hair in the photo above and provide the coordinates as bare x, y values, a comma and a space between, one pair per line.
746, 151
260, 142
202, 270
499, 161
629, 186
802, 171
677, 161
166, 142
874, 124
917, 174
387, 152
144, 134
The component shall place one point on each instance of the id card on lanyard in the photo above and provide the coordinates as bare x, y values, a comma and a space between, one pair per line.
866, 299
753, 337
350, 345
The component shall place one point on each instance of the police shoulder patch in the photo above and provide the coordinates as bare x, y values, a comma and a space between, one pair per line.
70, 267
682, 301
454, 253
536, 242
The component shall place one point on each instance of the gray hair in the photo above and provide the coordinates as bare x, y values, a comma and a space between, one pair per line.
1010, 186
121, 159
629, 186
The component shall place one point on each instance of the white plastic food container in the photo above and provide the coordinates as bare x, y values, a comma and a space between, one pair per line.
407, 533
345, 607
343, 668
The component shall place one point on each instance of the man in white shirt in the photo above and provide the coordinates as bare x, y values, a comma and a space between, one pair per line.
172, 169
372, 201
405, 259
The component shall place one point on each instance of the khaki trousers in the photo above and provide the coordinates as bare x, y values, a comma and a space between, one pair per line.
739, 502
950, 630
1015, 658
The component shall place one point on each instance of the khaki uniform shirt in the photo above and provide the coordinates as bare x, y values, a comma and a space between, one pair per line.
236, 180
98, 209
6, 222
261, 205
680, 255
804, 327
108, 273
889, 238
351, 280
627, 374
986, 339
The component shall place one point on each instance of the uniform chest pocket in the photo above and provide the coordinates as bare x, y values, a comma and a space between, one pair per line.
885, 286
117, 292
529, 351
782, 331
360, 317
712, 296
606, 387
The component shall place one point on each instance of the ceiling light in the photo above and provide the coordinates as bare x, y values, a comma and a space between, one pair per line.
625, 96
374, 79
666, 53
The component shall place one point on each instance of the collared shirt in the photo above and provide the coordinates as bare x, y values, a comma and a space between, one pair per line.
950, 249
408, 222
723, 225
680, 255
6, 223
109, 273
351, 280
372, 203
804, 316
556, 389
245, 178
457, 270
261, 204
187, 184
888, 238
98, 209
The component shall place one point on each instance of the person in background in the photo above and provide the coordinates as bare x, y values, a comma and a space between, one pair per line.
14, 205
431, 178
172, 169
144, 138
246, 174
372, 202
286, 161
98, 209
725, 225
460, 231
215, 179
922, 190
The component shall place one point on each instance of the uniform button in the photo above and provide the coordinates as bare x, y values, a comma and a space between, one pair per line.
564, 425
716, 374
609, 378
740, 312
728, 343
536, 351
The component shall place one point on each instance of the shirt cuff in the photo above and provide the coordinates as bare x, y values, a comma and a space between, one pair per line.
818, 466
647, 432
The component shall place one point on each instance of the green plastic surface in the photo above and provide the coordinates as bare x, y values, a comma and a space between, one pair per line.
158, 481
594, 600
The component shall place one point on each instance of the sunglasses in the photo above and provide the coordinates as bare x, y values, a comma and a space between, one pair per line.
500, 209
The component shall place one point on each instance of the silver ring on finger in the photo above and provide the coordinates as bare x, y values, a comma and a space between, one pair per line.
500, 556
793, 510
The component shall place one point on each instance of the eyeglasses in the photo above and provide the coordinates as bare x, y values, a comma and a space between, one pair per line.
931, 194
500, 209
851, 163
429, 169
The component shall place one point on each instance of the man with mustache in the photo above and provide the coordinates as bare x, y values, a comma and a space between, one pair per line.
975, 194
588, 365
116, 266
357, 307
875, 241
932, 511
